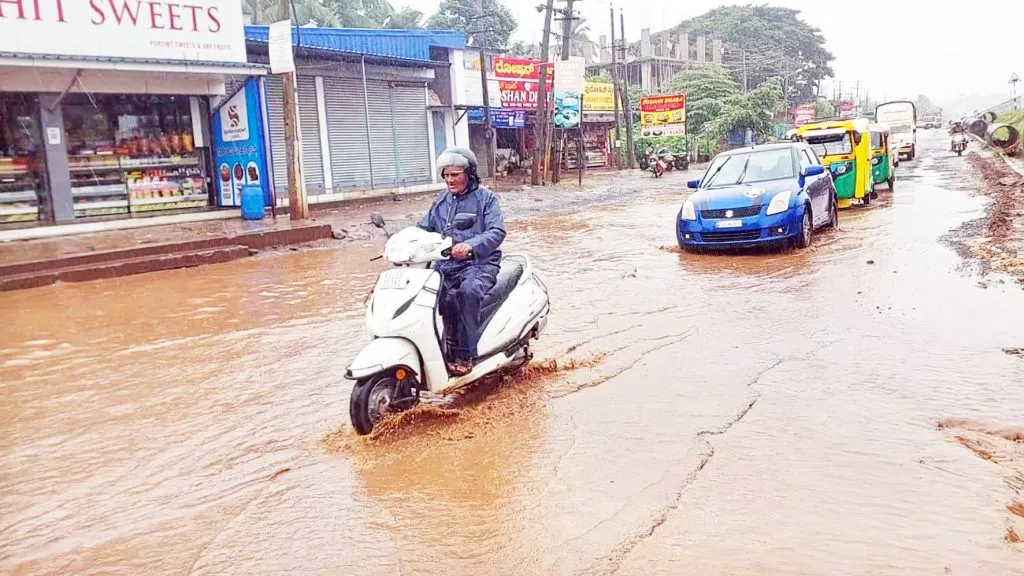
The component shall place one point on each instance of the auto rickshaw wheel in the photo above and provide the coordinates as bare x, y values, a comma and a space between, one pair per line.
892, 182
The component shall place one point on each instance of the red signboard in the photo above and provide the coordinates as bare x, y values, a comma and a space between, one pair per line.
519, 68
804, 113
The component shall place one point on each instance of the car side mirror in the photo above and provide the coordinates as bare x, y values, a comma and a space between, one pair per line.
693, 184
816, 170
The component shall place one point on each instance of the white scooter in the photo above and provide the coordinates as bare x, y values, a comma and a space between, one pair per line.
410, 353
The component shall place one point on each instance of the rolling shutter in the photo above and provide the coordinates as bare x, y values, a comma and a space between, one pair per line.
346, 129
275, 117
381, 136
309, 122
409, 108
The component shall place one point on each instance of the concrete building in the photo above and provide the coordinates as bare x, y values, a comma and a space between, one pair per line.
662, 56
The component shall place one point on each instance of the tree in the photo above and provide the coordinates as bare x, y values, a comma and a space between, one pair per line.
603, 78
707, 88
754, 109
761, 42
925, 105
405, 19
523, 50
824, 109
328, 13
579, 39
492, 29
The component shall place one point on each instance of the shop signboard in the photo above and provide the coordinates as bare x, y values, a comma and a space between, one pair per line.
197, 31
569, 85
663, 115
805, 113
518, 82
598, 97
847, 110
499, 118
240, 157
474, 86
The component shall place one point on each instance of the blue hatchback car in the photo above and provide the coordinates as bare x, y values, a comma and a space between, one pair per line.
776, 193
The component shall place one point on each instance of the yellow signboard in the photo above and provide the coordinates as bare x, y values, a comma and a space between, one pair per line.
598, 97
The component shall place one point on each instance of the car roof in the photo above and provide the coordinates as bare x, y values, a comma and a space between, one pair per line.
763, 147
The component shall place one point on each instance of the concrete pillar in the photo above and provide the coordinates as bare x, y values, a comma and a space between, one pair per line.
645, 43
683, 47
57, 159
702, 49
716, 47
647, 76
605, 54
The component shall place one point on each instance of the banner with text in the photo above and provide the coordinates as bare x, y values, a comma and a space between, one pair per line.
569, 85
598, 97
663, 115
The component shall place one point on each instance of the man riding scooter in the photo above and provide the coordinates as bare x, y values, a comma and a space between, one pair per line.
475, 259
958, 138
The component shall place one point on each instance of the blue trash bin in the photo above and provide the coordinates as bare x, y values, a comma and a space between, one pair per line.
252, 203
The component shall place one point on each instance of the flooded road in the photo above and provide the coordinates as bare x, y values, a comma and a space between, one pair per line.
848, 409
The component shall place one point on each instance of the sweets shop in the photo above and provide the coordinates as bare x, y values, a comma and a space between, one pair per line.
101, 119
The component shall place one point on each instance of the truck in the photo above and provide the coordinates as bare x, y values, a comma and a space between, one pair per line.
901, 117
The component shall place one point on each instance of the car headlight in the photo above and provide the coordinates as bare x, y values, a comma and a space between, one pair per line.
689, 212
780, 203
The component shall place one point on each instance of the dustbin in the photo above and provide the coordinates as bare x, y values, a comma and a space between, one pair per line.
252, 203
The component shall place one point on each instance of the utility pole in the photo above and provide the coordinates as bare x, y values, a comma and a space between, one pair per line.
298, 208
488, 127
625, 92
568, 17
615, 95
540, 131
744, 51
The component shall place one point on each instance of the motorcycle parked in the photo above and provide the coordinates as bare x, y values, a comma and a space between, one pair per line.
410, 352
657, 165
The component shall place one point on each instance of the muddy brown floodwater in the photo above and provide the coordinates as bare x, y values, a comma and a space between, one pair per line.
796, 413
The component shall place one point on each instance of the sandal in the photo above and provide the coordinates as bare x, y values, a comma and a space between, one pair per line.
461, 368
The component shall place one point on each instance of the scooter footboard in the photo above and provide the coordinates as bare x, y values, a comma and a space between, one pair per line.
383, 354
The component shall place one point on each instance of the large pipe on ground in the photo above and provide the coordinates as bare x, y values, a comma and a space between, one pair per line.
978, 127
989, 117
1003, 136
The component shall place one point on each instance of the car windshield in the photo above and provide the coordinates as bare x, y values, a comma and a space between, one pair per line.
758, 166
831, 144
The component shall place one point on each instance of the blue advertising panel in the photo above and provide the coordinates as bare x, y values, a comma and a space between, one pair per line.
240, 156
499, 118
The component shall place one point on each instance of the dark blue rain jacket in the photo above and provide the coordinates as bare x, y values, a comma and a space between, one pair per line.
485, 236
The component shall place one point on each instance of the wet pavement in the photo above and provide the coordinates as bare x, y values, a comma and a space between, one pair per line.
854, 408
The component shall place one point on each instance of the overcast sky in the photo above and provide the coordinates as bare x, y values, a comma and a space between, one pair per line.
939, 52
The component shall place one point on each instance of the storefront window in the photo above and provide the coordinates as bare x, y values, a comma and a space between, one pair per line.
21, 159
132, 154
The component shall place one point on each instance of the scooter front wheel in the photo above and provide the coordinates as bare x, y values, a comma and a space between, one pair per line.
375, 397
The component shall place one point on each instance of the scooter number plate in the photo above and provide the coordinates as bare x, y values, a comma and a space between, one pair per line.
393, 280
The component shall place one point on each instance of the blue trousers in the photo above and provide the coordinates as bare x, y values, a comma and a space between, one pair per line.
465, 290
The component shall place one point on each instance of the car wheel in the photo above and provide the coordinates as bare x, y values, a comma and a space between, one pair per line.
833, 217
806, 231
892, 184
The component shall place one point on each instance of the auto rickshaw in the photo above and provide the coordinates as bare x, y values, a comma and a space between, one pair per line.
844, 146
884, 157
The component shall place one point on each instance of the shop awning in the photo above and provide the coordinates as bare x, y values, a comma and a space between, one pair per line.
395, 45
255, 46
131, 64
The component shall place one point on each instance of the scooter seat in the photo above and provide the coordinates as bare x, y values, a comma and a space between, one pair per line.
508, 277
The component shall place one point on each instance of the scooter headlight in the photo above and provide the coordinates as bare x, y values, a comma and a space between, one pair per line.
689, 212
876, 161
841, 169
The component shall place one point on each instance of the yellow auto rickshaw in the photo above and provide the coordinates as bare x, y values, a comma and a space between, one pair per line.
844, 146
884, 156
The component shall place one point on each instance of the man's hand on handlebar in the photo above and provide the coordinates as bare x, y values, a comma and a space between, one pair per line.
462, 251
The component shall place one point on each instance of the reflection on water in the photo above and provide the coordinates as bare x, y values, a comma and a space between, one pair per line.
697, 413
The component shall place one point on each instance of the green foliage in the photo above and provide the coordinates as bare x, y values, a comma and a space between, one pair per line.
825, 109
493, 28
326, 13
707, 88
766, 41
754, 109
405, 19
603, 78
